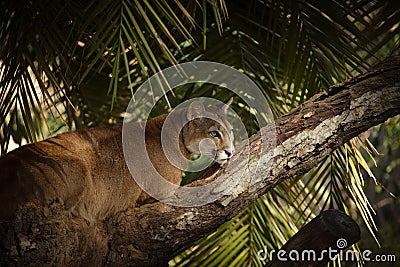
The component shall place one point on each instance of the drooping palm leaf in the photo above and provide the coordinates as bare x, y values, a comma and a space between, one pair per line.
70, 63
53, 50
294, 50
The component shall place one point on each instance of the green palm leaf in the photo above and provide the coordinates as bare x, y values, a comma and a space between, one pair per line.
54, 53
74, 64
301, 53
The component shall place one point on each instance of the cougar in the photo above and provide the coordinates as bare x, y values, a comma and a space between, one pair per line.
86, 169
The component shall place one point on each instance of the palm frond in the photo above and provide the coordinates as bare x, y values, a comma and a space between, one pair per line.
293, 50
77, 64
61, 50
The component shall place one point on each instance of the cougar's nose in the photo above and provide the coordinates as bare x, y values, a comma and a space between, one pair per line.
229, 152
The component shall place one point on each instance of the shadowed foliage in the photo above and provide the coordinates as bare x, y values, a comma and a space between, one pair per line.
68, 65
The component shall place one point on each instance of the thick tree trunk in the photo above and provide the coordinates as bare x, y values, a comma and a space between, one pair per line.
149, 235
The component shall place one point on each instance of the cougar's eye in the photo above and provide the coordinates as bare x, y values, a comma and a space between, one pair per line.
214, 134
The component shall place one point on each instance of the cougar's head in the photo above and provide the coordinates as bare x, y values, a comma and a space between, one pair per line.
209, 132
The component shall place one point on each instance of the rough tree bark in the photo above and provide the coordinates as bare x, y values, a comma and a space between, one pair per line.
149, 235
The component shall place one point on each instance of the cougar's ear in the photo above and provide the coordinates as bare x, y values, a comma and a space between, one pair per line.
195, 110
226, 105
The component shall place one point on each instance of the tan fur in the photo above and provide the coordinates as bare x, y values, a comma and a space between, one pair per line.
87, 170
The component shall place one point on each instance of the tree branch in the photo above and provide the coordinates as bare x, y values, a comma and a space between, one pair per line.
305, 136
149, 235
